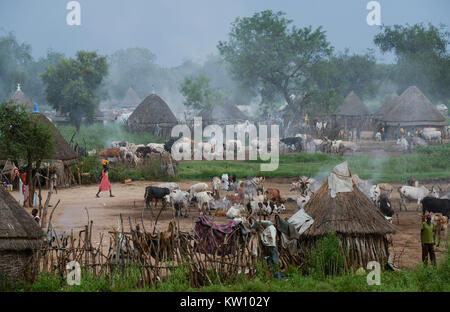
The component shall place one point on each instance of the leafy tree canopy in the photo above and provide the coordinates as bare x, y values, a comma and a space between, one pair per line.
199, 94
71, 85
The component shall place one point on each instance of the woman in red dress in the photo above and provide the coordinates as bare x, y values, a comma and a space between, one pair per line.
105, 185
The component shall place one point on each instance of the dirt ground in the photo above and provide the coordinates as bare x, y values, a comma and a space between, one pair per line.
129, 202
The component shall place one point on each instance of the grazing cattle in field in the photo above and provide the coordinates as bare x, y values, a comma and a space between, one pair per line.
415, 194
178, 200
198, 187
303, 185
431, 135
110, 153
297, 142
154, 192
272, 194
386, 188
216, 184
436, 205
170, 185
204, 199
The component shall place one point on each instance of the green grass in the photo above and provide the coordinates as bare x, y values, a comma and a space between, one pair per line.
421, 278
429, 162
99, 136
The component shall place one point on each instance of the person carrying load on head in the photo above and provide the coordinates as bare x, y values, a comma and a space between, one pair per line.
105, 185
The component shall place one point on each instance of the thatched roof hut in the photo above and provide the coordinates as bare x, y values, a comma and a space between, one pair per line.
387, 105
353, 113
63, 151
131, 99
352, 106
227, 113
340, 206
20, 240
414, 109
152, 112
20, 98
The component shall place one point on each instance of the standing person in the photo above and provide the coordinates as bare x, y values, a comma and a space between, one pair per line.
25, 189
358, 134
427, 240
105, 185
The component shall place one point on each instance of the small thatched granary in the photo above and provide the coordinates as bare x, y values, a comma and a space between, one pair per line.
20, 241
412, 111
340, 206
20, 98
63, 157
152, 115
353, 113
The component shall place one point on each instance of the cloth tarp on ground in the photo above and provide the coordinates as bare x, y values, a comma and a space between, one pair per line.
214, 238
340, 180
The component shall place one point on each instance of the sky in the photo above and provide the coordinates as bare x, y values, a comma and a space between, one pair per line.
176, 30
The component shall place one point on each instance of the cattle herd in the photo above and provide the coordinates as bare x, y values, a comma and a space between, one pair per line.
246, 199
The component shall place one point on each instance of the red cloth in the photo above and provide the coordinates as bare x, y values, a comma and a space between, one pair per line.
104, 184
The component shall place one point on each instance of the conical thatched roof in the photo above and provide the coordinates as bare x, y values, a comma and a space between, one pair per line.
347, 213
389, 104
227, 112
352, 106
414, 109
152, 110
18, 230
131, 99
21, 98
63, 151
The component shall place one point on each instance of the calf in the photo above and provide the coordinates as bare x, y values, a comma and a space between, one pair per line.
178, 200
216, 183
272, 194
154, 192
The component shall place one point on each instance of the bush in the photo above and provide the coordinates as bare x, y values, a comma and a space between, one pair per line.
325, 257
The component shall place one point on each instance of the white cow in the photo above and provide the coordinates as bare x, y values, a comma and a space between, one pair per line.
415, 194
170, 185
204, 199
198, 187
180, 199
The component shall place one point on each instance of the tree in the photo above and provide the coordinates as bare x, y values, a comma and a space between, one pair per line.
14, 58
24, 138
199, 95
345, 73
422, 57
267, 53
72, 85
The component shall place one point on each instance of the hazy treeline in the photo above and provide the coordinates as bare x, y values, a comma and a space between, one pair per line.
422, 59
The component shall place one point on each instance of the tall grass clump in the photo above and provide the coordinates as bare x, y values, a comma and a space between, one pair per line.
326, 257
